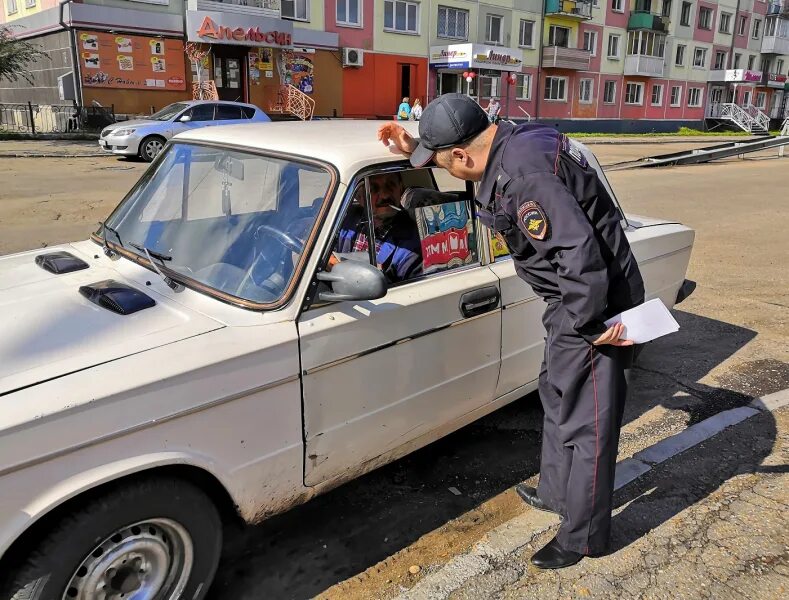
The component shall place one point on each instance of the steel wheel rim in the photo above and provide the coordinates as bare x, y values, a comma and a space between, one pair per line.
149, 560
152, 148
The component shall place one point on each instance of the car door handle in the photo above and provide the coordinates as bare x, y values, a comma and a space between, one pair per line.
479, 301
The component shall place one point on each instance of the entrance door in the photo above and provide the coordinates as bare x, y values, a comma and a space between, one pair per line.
775, 104
716, 97
229, 73
448, 83
405, 81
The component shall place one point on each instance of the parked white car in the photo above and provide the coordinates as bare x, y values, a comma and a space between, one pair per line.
195, 356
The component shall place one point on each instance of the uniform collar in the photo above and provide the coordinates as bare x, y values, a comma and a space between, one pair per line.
493, 173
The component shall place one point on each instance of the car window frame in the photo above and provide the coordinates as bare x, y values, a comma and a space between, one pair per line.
218, 106
213, 111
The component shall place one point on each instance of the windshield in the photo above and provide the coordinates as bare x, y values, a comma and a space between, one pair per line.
168, 112
233, 221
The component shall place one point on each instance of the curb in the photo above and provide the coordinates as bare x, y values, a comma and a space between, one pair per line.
519, 531
52, 155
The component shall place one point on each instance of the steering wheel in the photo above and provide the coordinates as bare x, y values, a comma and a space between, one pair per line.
283, 238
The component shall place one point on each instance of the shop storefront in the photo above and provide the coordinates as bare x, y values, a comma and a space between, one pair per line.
736, 86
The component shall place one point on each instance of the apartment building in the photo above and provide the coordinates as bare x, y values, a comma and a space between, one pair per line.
602, 65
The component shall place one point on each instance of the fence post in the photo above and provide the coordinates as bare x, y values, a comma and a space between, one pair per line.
32, 122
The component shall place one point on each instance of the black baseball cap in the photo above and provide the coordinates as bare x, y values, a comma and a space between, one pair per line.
449, 120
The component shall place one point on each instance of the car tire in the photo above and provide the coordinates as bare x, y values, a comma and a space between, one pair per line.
142, 523
151, 146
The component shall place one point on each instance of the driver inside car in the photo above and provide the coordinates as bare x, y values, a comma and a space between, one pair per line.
397, 243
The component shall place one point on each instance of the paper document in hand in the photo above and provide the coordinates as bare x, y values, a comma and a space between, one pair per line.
646, 322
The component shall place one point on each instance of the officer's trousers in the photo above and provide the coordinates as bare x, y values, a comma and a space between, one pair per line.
583, 389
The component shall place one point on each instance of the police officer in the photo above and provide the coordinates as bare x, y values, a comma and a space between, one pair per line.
563, 230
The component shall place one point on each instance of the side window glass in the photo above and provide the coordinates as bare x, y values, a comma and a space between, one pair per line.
247, 112
203, 112
227, 112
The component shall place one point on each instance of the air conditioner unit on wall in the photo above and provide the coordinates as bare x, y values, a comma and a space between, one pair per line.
352, 57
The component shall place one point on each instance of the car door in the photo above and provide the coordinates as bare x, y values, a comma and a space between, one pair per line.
377, 375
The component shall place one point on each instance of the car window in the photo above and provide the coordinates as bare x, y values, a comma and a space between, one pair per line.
417, 229
247, 112
203, 112
226, 112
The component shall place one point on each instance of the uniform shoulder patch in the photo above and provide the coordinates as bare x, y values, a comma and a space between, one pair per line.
533, 219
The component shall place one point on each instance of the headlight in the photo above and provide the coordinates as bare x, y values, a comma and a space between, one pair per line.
120, 132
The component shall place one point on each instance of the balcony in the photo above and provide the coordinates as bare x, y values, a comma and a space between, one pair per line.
261, 8
644, 66
780, 7
775, 44
579, 9
647, 21
559, 57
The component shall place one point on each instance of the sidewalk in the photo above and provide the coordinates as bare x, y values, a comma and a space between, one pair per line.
50, 148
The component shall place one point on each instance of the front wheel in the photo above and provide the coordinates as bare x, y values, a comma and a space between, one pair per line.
151, 147
157, 539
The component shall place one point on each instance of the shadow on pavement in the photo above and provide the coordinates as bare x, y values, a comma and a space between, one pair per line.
341, 534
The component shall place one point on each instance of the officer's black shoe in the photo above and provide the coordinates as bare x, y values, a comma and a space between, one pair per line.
553, 556
530, 497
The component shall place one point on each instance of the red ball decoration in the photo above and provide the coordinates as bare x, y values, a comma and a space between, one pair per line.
465, 74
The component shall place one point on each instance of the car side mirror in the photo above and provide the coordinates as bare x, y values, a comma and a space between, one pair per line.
353, 280
185, 118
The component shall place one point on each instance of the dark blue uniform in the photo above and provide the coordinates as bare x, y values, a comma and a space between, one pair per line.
563, 231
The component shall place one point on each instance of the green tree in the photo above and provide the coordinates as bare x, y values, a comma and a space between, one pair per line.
16, 56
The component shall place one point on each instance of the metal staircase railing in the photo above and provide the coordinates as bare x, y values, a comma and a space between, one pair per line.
736, 114
292, 100
761, 122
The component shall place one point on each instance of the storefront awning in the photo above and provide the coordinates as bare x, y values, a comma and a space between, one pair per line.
736, 76
476, 56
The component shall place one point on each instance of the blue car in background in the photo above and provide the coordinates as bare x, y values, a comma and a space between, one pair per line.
146, 137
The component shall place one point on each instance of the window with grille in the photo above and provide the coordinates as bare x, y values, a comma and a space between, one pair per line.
401, 17
452, 23
526, 34
609, 92
585, 94
634, 93
556, 88
657, 94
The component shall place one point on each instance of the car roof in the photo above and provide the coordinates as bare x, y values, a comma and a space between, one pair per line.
194, 102
347, 144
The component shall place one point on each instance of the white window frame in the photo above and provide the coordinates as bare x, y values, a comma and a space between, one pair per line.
722, 66
757, 29
589, 85
618, 3
682, 14
525, 83
742, 25
618, 54
747, 97
770, 26
347, 3
703, 51
564, 81
11, 7
596, 3
680, 63
520, 33
705, 10
751, 60
663, 11
446, 35
30, 3
700, 99
657, 86
593, 36
551, 34
728, 25
678, 101
613, 93
392, 5
779, 66
761, 104
489, 18
640, 88
306, 4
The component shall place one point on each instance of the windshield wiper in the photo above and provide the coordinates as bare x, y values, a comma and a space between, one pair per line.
109, 252
151, 254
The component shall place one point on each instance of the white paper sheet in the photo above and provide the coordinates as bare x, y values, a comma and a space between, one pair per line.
646, 322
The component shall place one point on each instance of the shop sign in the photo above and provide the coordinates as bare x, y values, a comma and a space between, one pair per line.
475, 56
238, 29
455, 56
109, 60
776, 81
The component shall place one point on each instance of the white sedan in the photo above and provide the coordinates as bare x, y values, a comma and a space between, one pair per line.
223, 343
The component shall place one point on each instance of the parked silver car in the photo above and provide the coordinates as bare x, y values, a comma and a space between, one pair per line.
146, 137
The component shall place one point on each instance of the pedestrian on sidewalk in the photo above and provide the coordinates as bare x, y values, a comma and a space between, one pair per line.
493, 110
416, 110
404, 110
537, 190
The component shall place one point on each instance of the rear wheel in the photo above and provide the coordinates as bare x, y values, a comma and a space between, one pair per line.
151, 146
157, 539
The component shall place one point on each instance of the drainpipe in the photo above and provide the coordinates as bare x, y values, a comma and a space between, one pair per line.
74, 57
539, 63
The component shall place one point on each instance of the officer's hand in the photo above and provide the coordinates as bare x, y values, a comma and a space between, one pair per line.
612, 336
396, 134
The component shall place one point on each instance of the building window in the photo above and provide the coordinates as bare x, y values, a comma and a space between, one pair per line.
694, 97
699, 57
666, 9
596, 3
680, 59
295, 9
609, 92
617, 5
452, 23
657, 94
761, 100
349, 12
737, 57
742, 25
613, 46
590, 42
30, 3
11, 6
559, 36
751, 59
779, 66
401, 16
684, 18
556, 89
769, 27
757, 26
526, 34
764, 65
493, 29
634, 93
676, 91
746, 98
489, 86
705, 18
720, 61
725, 23
523, 86
585, 94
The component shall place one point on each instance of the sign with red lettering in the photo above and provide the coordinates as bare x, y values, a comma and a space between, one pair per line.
445, 248
238, 29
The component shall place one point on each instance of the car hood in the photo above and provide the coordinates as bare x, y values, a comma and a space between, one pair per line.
133, 123
50, 330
